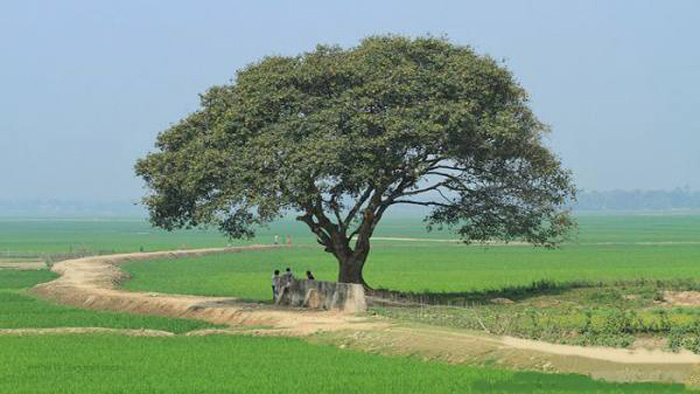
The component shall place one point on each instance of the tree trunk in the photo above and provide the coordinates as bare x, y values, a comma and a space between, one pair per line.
351, 270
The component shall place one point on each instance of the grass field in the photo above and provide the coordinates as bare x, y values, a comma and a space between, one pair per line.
96, 364
617, 315
608, 249
58, 236
37, 236
602, 289
108, 364
18, 309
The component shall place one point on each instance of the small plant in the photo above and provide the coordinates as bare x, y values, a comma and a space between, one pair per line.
534, 331
659, 296
587, 323
664, 324
619, 321
676, 339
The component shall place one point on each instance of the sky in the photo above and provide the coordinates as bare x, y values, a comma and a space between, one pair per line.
87, 85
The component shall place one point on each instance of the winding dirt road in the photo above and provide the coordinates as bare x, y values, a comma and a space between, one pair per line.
92, 282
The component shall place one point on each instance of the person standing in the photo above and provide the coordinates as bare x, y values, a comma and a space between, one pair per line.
288, 276
275, 284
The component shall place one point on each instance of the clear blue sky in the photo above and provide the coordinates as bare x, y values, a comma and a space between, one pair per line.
87, 85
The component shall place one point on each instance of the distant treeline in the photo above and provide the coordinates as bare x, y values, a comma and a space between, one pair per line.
615, 200
638, 200
64, 208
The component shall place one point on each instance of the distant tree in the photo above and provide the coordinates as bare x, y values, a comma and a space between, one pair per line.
638, 200
339, 136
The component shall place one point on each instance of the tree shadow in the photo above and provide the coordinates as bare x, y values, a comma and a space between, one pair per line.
473, 298
241, 303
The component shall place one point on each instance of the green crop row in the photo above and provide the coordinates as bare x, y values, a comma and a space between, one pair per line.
421, 268
185, 365
18, 309
24, 237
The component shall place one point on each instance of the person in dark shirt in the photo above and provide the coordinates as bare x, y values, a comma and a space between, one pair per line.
288, 276
310, 276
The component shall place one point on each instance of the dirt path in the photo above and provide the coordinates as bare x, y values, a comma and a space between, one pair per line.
682, 298
92, 283
458, 346
23, 265
520, 243
448, 240
84, 330
135, 332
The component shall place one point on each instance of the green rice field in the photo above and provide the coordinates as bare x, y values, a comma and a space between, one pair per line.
95, 364
183, 365
607, 248
47, 236
19, 309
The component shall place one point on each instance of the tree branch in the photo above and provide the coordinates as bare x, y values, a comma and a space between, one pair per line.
444, 167
356, 208
376, 210
333, 204
423, 203
427, 189
323, 238
443, 196
445, 175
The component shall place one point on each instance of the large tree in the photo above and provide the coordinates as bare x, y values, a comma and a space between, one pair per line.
338, 136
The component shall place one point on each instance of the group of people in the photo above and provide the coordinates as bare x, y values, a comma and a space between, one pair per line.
277, 240
279, 282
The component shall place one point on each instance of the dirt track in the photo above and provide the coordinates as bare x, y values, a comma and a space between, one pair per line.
92, 283
84, 330
23, 265
519, 243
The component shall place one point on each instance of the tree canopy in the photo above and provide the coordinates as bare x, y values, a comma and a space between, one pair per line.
338, 136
